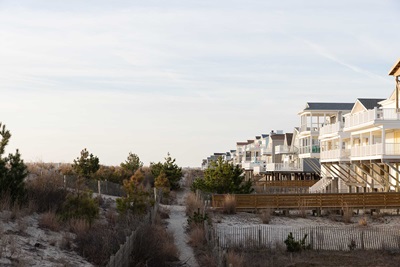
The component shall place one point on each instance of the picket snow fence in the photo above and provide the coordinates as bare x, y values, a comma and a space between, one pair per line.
318, 237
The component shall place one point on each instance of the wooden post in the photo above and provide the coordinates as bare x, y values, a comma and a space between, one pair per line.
362, 239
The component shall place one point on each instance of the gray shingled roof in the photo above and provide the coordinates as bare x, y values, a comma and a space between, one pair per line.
289, 138
328, 106
278, 137
370, 103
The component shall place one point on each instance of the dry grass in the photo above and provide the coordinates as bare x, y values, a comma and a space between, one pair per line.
5, 202
347, 213
266, 216
207, 259
197, 236
154, 246
303, 208
46, 193
193, 203
235, 259
363, 222
229, 204
49, 220
66, 242
78, 226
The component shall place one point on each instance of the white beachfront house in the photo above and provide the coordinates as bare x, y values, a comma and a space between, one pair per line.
364, 150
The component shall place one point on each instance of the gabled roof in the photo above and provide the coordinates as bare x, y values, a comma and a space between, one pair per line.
370, 103
289, 137
328, 106
395, 71
277, 137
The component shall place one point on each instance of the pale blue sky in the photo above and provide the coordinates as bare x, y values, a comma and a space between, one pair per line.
186, 77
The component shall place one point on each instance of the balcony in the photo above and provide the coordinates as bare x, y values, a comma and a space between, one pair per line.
273, 167
266, 150
281, 149
331, 128
335, 155
309, 149
372, 116
251, 165
391, 149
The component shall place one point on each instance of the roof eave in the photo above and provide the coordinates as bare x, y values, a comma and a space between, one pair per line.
395, 71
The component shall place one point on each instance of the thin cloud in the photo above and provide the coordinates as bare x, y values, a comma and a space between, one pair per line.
326, 54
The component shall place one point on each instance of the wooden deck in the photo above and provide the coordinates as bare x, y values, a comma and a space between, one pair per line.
313, 201
287, 183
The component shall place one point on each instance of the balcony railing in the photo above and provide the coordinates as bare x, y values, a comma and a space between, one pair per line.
340, 154
309, 149
251, 165
266, 150
331, 128
282, 167
281, 149
367, 150
391, 149
372, 115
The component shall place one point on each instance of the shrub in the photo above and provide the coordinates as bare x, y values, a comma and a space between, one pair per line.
235, 259
193, 203
229, 204
78, 226
80, 206
137, 199
295, 246
46, 193
153, 247
352, 244
197, 218
98, 243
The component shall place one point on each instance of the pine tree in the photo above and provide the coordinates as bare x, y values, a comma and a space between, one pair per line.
223, 177
12, 170
132, 163
171, 170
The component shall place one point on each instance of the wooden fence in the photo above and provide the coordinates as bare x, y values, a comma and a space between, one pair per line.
122, 257
318, 237
313, 201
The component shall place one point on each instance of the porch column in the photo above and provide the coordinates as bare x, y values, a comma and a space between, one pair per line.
383, 141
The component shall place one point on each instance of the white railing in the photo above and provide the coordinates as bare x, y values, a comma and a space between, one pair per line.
309, 149
266, 150
372, 115
367, 150
283, 167
331, 128
282, 149
335, 154
251, 165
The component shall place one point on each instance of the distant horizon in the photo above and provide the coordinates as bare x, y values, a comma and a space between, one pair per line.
189, 78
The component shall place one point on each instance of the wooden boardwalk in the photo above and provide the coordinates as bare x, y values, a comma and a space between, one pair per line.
313, 201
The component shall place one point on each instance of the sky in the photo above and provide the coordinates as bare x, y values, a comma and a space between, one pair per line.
185, 77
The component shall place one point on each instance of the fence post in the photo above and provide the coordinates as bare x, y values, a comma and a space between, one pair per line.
362, 239
312, 238
259, 238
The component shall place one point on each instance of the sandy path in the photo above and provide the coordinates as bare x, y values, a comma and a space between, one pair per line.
177, 223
